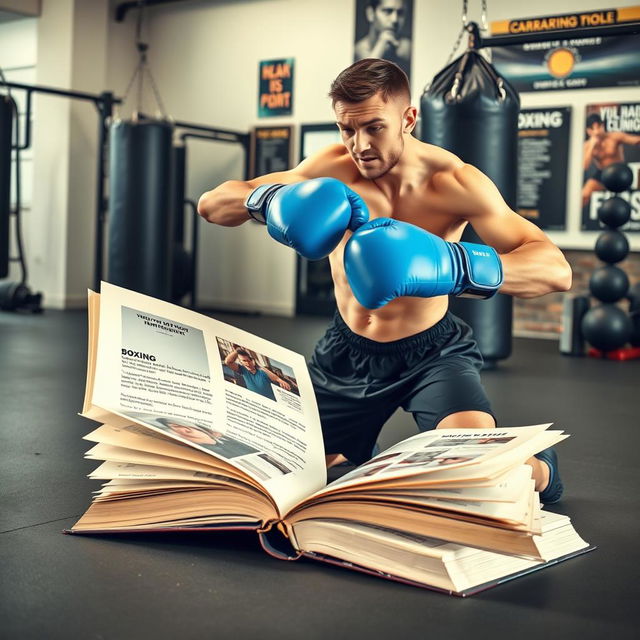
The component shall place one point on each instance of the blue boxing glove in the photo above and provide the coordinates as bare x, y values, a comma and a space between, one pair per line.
311, 216
387, 258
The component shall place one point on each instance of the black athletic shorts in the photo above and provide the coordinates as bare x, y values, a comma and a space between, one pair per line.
592, 173
359, 383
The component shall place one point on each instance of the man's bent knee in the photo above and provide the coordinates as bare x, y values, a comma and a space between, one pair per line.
332, 459
467, 420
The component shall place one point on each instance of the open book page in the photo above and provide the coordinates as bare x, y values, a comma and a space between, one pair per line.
166, 367
138, 445
455, 527
447, 455
491, 465
509, 488
515, 511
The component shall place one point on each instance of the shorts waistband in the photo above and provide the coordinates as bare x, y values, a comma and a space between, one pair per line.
427, 338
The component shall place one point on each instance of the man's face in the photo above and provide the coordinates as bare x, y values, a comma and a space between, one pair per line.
596, 130
389, 15
372, 131
190, 433
247, 362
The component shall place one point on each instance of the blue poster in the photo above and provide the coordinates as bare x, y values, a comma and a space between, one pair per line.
275, 81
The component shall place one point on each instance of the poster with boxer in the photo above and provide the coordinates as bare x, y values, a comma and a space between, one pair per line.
383, 30
543, 160
569, 63
612, 134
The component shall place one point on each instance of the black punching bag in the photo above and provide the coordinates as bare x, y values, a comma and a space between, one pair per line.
7, 107
182, 278
473, 112
141, 211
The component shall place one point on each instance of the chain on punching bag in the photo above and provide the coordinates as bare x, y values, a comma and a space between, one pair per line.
471, 111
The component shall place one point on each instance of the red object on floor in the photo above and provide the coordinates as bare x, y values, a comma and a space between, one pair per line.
628, 353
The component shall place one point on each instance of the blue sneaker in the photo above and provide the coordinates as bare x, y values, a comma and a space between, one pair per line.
554, 489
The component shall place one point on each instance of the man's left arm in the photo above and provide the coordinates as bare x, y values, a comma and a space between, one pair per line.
629, 138
532, 265
276, 379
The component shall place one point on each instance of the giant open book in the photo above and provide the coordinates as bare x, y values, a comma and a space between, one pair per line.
190, 441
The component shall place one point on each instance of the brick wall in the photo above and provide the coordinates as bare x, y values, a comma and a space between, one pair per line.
543, 316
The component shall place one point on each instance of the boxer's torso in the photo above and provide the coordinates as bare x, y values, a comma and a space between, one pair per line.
411, 203
607, 151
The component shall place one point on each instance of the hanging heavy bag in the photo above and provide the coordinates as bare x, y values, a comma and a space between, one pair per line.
6, 137
141, 211
471, 111
183, 263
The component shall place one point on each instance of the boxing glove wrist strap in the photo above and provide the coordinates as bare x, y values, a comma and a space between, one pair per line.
482, 270
259, 199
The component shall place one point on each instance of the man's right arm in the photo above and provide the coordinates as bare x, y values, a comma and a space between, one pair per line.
308, 209
230, 361
225, 205
587, 155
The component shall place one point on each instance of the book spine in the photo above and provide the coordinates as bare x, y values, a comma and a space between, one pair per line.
276, 541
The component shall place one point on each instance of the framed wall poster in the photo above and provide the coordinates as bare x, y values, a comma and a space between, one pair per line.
270, 150
315, 136
383, 30
275, 82
543, 161
612, 134
569, 63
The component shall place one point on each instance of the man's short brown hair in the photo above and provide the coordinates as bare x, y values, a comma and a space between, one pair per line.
365, 78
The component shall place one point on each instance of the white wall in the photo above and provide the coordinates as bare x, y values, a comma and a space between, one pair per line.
65, 48
18, 53
47, 229
211, 76
71, 42
88, 74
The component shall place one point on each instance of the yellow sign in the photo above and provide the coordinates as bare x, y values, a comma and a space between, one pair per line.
563, 22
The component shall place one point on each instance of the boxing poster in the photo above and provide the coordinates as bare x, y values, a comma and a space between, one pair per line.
275, 81
569, 63
612, 134
271, 150
383, 30
543, 160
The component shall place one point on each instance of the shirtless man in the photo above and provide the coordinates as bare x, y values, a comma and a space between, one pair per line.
411, 351
601, 149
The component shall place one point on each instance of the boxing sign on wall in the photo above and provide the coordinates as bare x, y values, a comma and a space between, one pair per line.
270, 150
275, 81
543, 159
569, 63
612, 134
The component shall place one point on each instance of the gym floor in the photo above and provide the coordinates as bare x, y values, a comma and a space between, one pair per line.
223, 585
